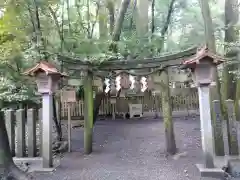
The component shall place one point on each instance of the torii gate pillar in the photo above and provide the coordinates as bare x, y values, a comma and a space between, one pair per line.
88, 111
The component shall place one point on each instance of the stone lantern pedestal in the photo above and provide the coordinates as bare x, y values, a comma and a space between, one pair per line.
47, 77
202, 68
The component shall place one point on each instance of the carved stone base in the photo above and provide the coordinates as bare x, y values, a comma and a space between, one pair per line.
35, 164
210, 172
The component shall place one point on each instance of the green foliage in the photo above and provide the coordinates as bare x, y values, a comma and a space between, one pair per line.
13, 41
12, 92
74, 30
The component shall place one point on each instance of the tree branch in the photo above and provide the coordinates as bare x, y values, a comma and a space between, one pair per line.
168, 20
88, 19
166, 24
38, 29
80, 17
53, 14
131, 21
69, 21
153, 16
94, 23
118, 25
110, 7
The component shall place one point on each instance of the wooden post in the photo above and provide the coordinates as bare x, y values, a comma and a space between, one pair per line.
69, 126
232, 129
31, 128
21, 142
88, 113
10, 125
167, 114
218, 134
114, 111
113, 105
69, 96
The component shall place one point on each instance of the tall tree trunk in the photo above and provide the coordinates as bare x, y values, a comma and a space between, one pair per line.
57, 111
118, 25
69, 21
166, 25
102, 19
59, 29
142, 17
231, 36
56, 120
8, 170
34, 28
42, 46
110, 7
166, 100
215, 89
230, 88
40, 40
153, 17
120, 19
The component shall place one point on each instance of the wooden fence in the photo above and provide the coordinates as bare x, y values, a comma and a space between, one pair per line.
180, 102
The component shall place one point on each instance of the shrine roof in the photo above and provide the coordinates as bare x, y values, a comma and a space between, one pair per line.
46, 67
201, 54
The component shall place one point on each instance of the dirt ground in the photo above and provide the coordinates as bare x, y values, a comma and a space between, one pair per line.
132, 150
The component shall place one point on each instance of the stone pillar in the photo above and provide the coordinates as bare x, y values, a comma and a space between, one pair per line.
21, 142
10, 125
232, 129
31, 128
47, 116
218, 134
206, 126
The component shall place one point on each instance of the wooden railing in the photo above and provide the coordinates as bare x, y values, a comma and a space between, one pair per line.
182, 101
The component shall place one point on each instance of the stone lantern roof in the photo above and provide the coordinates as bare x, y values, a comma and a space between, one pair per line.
201, 55
44, 66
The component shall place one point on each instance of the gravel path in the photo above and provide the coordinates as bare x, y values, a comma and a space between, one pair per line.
132, 150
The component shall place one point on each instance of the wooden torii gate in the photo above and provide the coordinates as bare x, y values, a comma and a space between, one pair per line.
114, 67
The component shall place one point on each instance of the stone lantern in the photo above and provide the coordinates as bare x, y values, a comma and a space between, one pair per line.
202, 66
47, 77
